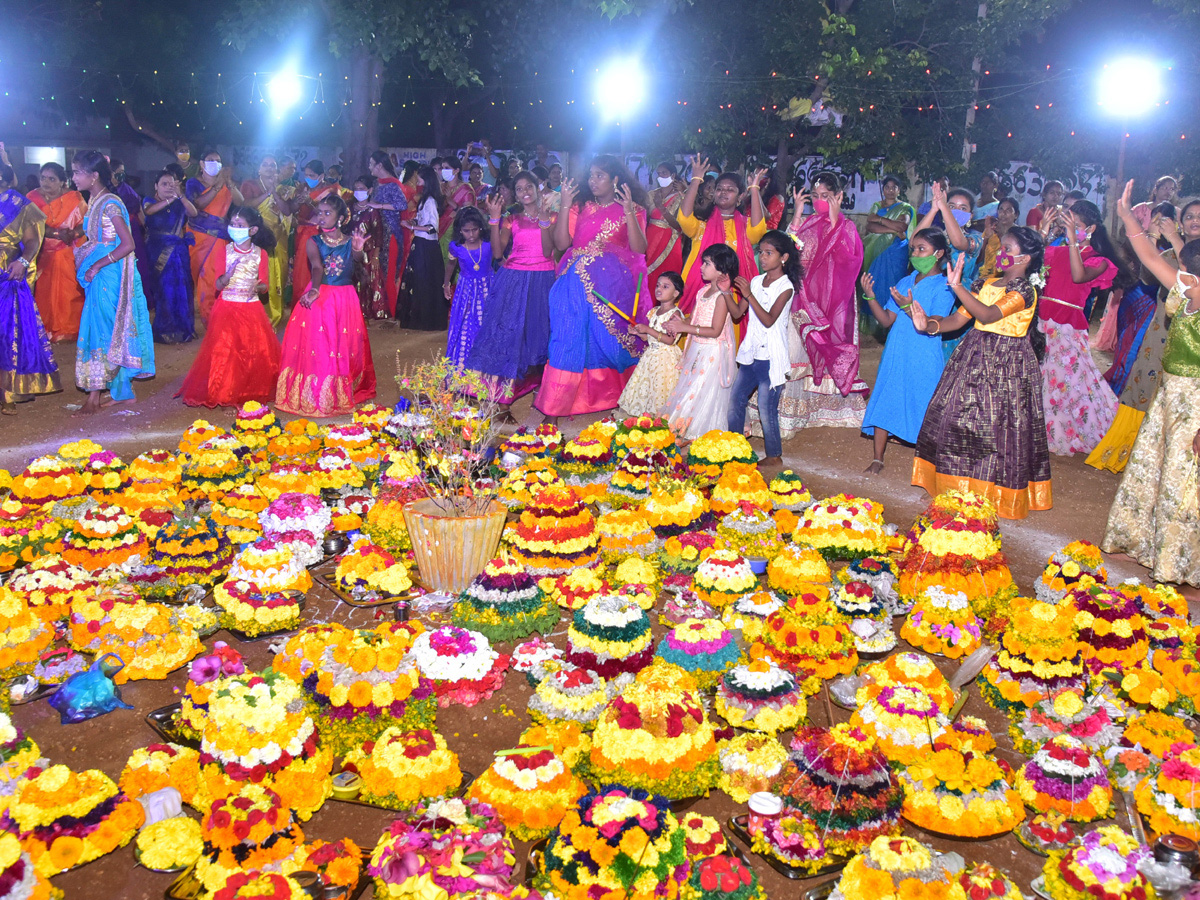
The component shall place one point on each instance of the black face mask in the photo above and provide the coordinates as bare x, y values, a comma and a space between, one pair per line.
119, 177
329, 180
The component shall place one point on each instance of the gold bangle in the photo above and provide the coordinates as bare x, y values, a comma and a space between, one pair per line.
939, 327
1136, 234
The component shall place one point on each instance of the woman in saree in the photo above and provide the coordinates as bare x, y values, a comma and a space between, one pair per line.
456, 193
824, 387
212, 194
890, 225
370, 272
115, 345
270, 198
410, 185
59, 298
664, 241
592, 350
390, 200
304, 206
1155, 515
27, 366
167, 242
137, 222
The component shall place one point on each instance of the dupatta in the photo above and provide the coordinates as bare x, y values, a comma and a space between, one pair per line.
714, 233
601, 257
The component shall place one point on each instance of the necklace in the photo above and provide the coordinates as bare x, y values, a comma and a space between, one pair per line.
475, 261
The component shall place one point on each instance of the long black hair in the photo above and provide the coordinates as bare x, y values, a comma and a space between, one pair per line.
411, 166
264, 237
381, 158
786, 247
935, 238
1088, 213
464, 215
95, 162
621, 175
431, 187
1031, 244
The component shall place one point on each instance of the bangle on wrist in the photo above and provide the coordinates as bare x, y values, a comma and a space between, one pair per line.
937, 324
697, 178
1137, 234
493, 221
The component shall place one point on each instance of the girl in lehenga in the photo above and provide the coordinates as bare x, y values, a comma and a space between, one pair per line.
326, 367
26, 364
115, 343
59, 298
657, 371
1155, 515
984, 430
700, 401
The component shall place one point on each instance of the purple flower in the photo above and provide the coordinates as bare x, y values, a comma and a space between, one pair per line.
205, 669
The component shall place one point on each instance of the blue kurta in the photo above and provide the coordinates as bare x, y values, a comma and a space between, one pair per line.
912, 362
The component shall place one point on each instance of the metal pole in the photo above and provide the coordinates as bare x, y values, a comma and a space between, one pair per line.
1120, 175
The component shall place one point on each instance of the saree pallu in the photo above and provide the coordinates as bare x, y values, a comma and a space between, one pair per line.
664, 245
26, 364
1133, 318
277, 259
210, 236
59, 298
171, 285
115, 343
985, 430
133, 205
875, 244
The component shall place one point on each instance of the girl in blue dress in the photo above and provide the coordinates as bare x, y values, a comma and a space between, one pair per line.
472, 257
912, 361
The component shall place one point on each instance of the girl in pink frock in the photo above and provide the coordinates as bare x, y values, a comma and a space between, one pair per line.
326, 368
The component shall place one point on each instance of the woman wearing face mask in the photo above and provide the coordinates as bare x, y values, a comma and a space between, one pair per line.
312, 191
212, 194
390, 199
956, 207
115, 343
1008, 213
370, 273
168, 243
271, 200
59, 297
27, 365
183, 158
823, 387
725, 226
455, 193
593, 351
984, 430
664, 246
1155, 512
1145, 368
1079, 403
912, 360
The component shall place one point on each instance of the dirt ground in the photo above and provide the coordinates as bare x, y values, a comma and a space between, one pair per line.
829, 460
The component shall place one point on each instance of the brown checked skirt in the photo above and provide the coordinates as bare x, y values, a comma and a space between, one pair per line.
985, 430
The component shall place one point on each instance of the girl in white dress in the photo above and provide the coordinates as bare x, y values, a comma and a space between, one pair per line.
658, 369
700, 401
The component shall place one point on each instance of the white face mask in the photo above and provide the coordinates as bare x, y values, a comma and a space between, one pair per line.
361, 196
664, 182
238, 235
447, 174
1182, 285
212, 167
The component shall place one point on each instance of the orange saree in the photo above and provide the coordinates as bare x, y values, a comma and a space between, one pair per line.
208, 228
57, 292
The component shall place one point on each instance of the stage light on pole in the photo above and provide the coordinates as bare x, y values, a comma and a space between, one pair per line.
283, 90
1127, 88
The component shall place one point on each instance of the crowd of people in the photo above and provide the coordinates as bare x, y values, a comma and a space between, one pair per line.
581, 291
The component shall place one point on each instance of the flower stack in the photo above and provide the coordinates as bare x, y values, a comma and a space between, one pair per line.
556, 534
870, 617
1065, 776
610, 636
681, 556
644, 433
712, 451
106, 474
210, 471
843, 527
760, 696
237, 513
810, 639
105, 536
655, 735
574, 590
740, 483
1065, 713
942, 622
788, 492
618, 841
362, 683
505, 604
48, 480
384, 524
637, 572
152, 640
461, 664
369, 572
333, 470
192, 550
749, 613
838, 780
27, 532
955, 546
64, 818
704, 648
1077, 564
750, 531
624, 533
1112, 632
18, 877
584, 464
796, 569
750, 763
569, 694
675, 506
541, 443
204, 675
401, 768
255, 425
258, 730
636, 470
905, 721
196, 434
404, 428
158, 766
49, 585
444, 849
897, 869
299, 520
983, 881
287, 478
905, 669
960, 794
724, 877
253, 612
161, 466
722, 577
358, 443
1040, 656
519, 486
531, 789
535, 659
1170, 798
1104, 864
248, 831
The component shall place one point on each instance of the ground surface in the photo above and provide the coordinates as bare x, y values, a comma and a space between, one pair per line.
829, 460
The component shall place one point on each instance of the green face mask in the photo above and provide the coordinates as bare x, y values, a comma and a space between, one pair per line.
923, 264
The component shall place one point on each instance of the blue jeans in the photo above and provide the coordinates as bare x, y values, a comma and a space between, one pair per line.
750, 378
